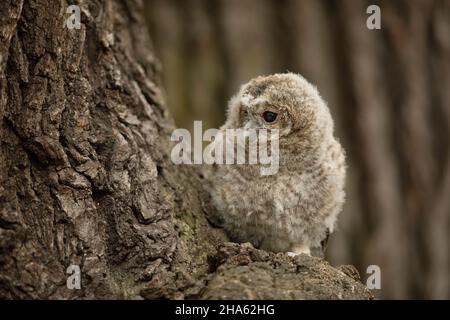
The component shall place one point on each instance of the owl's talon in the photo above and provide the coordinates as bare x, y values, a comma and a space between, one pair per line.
300, 249
291, 254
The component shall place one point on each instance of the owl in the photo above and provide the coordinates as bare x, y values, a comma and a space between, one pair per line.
295, 209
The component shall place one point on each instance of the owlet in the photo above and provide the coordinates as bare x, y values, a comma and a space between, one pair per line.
296, 208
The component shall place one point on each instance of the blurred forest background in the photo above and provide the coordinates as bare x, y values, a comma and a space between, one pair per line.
389, 93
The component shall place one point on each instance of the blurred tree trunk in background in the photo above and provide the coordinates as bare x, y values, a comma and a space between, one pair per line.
389, 93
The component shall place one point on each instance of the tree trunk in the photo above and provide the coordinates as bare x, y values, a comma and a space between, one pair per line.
85, 177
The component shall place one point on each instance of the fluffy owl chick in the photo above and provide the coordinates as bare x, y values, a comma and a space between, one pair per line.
295, 209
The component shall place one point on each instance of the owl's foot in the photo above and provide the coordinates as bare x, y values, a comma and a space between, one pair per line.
299, 249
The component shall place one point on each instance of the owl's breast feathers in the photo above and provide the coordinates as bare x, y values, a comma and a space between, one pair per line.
301, 203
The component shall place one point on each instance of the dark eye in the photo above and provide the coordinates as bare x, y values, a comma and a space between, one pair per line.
269, 116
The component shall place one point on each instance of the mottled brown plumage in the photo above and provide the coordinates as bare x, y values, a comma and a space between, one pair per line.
292, 210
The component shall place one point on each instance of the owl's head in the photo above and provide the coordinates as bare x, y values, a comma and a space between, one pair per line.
284, 101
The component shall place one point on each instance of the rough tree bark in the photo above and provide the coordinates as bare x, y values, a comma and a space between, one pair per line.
85, 177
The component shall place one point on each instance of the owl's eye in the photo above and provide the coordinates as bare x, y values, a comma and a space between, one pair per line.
269, 116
